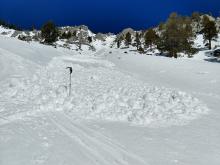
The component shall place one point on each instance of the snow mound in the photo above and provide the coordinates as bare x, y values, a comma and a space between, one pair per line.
98, 92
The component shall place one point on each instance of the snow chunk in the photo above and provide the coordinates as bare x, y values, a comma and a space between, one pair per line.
103, 93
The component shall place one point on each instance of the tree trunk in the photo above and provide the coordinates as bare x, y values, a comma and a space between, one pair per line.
175, 55
210, 44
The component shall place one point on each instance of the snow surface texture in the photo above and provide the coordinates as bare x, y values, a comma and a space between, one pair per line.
40, 124
98, 92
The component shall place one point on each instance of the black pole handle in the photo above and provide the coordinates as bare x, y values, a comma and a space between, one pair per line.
71, 69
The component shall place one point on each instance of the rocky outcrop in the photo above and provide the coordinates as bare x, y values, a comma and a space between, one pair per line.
16, 33
25, 38
100, 36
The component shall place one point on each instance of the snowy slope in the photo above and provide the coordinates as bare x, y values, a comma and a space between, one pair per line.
199, 141
99, 91
120, 112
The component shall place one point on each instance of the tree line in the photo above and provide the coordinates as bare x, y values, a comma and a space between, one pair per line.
174, 36
9, 25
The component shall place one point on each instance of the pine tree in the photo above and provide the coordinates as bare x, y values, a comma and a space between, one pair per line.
69, 35
9, 25
74, 33
90, 39
161, 26
137, 40
49, 32
150, 38
119, 40
80, 38
33, 28
209, 30
177, 36
118, 43
66, 35
128, 39
197, 19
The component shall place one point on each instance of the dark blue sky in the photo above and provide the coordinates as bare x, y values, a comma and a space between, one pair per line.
100, 15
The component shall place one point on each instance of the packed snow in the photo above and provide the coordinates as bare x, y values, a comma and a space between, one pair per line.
124, 108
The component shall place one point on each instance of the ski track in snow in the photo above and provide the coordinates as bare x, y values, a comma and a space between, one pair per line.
96, 144
90, 146
98, 92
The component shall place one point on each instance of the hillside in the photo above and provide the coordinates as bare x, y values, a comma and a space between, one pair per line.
82, 39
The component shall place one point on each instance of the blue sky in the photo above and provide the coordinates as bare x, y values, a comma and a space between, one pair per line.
101, 15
